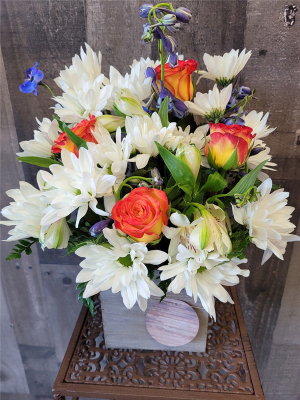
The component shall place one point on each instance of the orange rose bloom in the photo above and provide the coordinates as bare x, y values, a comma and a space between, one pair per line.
142, 214
223, 141
83, 129
179, 79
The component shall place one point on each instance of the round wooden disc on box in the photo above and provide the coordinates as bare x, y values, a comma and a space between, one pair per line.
172, 322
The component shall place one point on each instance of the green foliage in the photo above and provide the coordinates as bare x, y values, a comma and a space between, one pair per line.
25, 245
39, 161
182, 174
240, 241
163, 112
163, 285
215, 182
232, 161
74, 138
88, 302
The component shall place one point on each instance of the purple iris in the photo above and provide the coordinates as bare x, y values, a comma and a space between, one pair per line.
34, 76
168, 42
145, 9
243, 92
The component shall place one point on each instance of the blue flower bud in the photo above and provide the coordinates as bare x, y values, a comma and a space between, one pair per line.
168, 19
145, 9
183, 14
156, 177
173, 60
243, 92
97, 229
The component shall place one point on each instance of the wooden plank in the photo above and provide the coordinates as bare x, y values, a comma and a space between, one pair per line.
21, 279
49, 32
124, 328
274, 67
13, 377
114, 28
62, 304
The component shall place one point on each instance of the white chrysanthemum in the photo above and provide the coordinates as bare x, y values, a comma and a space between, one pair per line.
77, 185
119, 265
86, 89
268, 220
144, 132
224, 68
136, 82
257, 121
26, 213
203, 279
255, 159
43, 140
185, 137
110, 153
211, 104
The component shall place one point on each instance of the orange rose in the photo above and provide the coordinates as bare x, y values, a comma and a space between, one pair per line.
83, 129
179, 79
223, 141
142, 214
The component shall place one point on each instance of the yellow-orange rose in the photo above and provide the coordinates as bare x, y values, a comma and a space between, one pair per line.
179, 79
142, 214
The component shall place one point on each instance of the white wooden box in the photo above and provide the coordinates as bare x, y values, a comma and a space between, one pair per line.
126, 329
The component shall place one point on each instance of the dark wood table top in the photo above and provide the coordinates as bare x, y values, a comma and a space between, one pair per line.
226, 370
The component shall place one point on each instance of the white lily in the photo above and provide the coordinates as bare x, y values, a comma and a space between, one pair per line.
77, 185
119, 265
56, 236
144, 132
41, 145
203, 279
267, 219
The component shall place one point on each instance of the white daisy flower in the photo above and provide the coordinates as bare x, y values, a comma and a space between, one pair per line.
180, 136
267, 219
110, 153
136, 82
26, 213
203, 279
223, 69
211, 105
259, 153
43, 140
77, 185
144, 132
86, 89
257, 121
119, 265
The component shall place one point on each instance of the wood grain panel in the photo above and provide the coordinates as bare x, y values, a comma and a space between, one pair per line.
274, 67
63, 306
22, 279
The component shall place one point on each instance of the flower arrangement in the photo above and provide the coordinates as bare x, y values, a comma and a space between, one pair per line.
157, 186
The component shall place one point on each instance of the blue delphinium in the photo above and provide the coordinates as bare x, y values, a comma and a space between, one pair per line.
34, 76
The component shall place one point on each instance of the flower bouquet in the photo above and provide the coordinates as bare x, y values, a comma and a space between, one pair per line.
156, 186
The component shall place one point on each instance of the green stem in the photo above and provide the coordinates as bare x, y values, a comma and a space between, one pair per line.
246, 99
175, 210
162, 60
46, 86
139, 178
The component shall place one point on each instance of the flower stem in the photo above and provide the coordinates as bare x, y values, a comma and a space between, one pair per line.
162, 60
140, 178
46, 86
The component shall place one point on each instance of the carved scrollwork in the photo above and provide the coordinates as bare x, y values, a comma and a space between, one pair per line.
223, 367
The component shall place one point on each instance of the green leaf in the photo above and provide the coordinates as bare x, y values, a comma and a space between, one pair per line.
19, 248
215, 182
39, 161
119, 113
172, 192
247, 181
74, 138
243, 185
182, 174
232, 161
163, 112
81, 286
210, 157
60, 123
13, 256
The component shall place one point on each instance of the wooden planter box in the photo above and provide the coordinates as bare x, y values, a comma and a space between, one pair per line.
126, 329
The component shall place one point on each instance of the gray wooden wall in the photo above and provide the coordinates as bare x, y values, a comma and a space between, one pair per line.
38, 299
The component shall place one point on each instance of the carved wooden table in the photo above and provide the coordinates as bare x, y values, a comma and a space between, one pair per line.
226, 371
